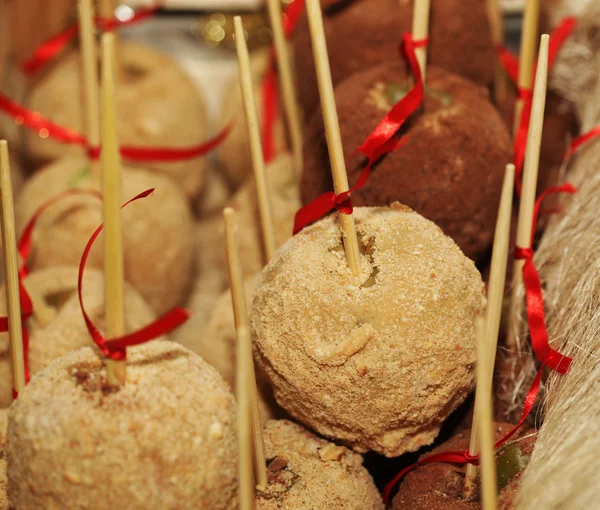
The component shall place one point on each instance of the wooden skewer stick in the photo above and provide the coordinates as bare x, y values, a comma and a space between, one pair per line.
286, 80
420, 32
111, 191
258, 162
11, 270
496, 20
243, 374
529, 43
332, 129
240, 313
106, 8
494, 313
530, 175
89, 59
485, 425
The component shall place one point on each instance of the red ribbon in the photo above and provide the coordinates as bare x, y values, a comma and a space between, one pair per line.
35, 121
24, 248
270, 104
462, 458
510, 64
582, 139
49, 49
383, 139
115, 348
25, 240
535, 301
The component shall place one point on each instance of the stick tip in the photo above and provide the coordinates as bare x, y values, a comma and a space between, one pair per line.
228, 212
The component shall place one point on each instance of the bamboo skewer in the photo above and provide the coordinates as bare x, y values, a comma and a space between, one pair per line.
494, 314
420, 32
243, 375
111, 191
89, 59
107, 8
11, 270
485, 429
496, 20
240, 312
332, 129
258, 164
42, 311
530, 174
529, 44
286, 80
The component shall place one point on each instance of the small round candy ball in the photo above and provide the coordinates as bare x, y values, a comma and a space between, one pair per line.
305, 471
378, 360
441, 485
451, 168
66, 331
158, 106
165, 440
234, 153
157, 231
363, 34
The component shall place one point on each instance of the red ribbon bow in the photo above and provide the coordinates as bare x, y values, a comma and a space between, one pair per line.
49, 49
115, 348
462, 458
534, 297
35, 121
383, 139
511, 66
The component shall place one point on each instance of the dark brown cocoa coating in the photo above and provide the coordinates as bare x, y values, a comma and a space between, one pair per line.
363, 33
441, 486
451, 168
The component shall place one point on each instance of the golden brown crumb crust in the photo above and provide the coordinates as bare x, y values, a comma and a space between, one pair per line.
379, 360
158, 106
67, 331
166, 440
157, 231
305, 471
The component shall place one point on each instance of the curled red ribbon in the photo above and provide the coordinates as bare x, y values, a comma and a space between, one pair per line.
51, 48
115, 348
462, 458
383, 139
25, 240
534, 297
581, 140
35, 121
510, 64
24, 248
